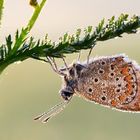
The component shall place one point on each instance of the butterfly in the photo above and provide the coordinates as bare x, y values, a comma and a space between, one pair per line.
111, 81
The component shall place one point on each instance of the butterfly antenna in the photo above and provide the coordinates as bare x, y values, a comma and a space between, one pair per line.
44, 117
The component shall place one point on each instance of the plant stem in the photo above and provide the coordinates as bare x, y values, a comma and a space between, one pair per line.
28, 28
1, 9
35, 15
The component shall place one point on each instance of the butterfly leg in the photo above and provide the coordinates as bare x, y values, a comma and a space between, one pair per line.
88, 57
65, 63
43, 60
54, 65
79, 56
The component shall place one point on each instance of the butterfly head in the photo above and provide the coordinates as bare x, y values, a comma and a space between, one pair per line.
70, 80
68, 88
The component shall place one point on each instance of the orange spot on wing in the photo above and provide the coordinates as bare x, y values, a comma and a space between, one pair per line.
128, 78
125, 71
122, 98
129, 87
113, 103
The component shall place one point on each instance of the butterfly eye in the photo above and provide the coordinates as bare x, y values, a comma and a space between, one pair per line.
66, 95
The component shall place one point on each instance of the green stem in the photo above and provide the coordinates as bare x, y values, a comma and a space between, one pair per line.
29, 26
1, 9
35, 15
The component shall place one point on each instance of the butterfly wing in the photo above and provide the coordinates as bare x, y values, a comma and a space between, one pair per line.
111, 81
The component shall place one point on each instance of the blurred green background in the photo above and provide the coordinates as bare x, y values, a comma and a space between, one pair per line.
31, 87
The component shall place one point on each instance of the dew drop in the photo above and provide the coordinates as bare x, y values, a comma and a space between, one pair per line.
43, 62
116, 37
18, 62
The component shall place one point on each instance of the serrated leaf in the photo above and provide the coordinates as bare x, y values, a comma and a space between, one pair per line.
65, 37
9, 43
89, 29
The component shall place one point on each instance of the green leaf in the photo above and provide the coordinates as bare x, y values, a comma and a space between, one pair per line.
9, 43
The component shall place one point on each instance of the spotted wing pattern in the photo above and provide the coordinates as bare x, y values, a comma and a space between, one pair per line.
110, 81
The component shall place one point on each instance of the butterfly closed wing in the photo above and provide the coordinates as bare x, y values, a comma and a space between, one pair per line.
112, 81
